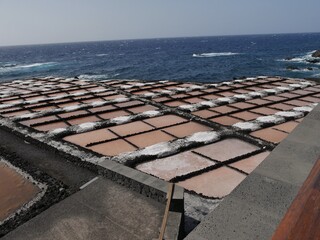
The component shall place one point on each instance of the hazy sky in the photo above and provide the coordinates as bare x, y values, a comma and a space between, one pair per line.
50, 21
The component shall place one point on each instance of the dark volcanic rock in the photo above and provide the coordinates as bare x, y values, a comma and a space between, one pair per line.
313, 60
292, 68
316, 54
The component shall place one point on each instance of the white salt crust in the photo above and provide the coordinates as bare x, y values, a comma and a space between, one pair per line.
226, 83
87, 126
270, 119
303, 109
242, 96
251, 126
194, 87
207, 103
296, 85
293, 114
188, 107
167, 148
278, 117
167, 92
149, 94
6, 106
151, 113
225, 100
121, 119
57, 131
239, 97
70, 108
204, 137
98, 103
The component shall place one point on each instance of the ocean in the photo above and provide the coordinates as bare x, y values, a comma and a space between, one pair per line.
199, 59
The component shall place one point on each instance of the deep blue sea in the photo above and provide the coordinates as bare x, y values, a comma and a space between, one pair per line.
205, 59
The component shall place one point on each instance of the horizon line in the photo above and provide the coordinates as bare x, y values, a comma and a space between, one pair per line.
153, 38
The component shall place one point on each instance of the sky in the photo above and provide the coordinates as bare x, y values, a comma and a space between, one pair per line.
48, 21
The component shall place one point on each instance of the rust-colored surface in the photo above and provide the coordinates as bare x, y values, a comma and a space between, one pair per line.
249, 164
174, 103
287, 127
131, 128
216, 183
282, 106
18, 113
164, 121
113, 148
205, 113
80, 120
38, 120
246, 116
177, 165
302, 219
298, 103
15, 191
226, 120
242, 105
141, 109
264, 110
82, 139
223, 109
186, 129
113, 114
51, 126
150, 138
72, 114
270, 134
220, 151
101, 109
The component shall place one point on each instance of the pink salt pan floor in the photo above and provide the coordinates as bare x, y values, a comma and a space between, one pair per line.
15, 191
216, 183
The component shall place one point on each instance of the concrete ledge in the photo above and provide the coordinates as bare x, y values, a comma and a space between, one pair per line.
255, 208
151, 187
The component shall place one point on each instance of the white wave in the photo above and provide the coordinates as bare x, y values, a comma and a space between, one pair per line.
214, 54
102, 54
300, 70
7, 65
12, 67
301, 59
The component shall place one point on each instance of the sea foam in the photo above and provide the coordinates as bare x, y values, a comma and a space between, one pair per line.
214, 54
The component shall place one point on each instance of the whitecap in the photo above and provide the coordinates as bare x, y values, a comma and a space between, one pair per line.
300, 70
21, 67
102, 54
218, 54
